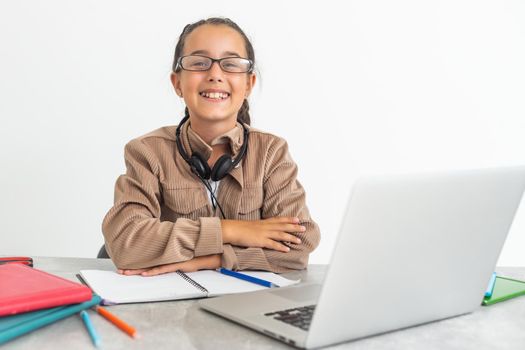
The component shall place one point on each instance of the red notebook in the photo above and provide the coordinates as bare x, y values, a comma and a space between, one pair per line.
23, 289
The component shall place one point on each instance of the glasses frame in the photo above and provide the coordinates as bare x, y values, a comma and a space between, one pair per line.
213, 60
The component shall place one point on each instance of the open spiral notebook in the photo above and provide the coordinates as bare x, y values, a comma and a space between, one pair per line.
119, 289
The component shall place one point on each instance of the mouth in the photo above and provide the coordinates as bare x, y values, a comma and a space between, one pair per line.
215, 95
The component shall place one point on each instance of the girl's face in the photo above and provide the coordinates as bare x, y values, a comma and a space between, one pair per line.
215, 41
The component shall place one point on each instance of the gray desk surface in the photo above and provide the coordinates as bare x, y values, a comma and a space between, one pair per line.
183, 325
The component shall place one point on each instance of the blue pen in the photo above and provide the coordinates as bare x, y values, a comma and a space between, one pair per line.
91, 330
490, 288
247, 278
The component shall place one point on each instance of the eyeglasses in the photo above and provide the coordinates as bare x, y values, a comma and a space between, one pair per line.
197, 63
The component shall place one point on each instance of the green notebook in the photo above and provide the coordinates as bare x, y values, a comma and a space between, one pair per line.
16, 325
504, 289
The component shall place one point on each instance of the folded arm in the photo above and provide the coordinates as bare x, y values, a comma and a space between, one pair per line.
134, 234
284, 197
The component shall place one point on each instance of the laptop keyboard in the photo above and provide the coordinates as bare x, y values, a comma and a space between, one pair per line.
300, 317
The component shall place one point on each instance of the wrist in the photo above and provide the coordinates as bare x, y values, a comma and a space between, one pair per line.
226, 234
217, 261
212, 262
207, 262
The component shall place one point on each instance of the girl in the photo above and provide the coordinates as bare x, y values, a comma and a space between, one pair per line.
211, 191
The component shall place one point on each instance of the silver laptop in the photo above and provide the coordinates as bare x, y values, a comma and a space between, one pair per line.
411, 249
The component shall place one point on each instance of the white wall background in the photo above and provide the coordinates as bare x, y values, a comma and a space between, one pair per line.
355, 87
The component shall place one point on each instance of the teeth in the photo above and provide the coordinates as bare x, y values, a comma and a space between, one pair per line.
215, 95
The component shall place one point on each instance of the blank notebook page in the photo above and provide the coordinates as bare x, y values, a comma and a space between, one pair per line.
116, 288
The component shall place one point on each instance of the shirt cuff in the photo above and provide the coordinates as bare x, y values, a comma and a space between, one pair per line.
210, 237
229, 258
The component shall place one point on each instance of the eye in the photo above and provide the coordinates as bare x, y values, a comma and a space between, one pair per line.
199, 63
230, 64
196, 62
233, 65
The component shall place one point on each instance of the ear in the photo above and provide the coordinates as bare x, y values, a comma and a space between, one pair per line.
175, 81
250, 83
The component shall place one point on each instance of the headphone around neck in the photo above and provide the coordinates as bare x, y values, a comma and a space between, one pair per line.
199, 166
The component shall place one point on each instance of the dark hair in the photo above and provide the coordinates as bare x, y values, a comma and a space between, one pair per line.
243, 116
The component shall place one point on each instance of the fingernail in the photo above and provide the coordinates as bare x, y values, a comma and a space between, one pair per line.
298, 241
303, 228
296, 220
287, 249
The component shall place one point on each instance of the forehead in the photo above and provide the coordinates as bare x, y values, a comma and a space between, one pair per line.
216, 40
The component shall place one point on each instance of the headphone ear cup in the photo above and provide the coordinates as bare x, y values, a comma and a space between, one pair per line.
199, 166
222, 167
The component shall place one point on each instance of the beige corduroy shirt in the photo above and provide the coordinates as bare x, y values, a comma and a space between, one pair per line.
162, 213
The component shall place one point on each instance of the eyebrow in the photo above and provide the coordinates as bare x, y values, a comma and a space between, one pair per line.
225, 53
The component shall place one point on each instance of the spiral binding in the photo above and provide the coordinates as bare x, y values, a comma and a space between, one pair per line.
192, 281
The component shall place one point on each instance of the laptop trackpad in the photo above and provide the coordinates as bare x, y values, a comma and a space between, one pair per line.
300, 293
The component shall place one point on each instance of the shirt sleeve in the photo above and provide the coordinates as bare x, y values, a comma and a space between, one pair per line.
134, 235
283, 196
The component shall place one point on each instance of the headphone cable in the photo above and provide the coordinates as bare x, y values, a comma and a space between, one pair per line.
208, 187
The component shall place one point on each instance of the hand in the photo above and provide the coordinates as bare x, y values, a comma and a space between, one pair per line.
267, 233
209, 262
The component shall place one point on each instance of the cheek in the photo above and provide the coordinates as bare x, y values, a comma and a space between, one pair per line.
190, 83
190, 88
239, 87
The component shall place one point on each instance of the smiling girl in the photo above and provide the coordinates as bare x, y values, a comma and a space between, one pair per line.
211, 192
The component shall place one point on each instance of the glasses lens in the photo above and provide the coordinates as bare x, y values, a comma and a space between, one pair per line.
236, 65
196, 63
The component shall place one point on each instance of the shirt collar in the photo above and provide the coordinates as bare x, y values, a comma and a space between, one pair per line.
192, 142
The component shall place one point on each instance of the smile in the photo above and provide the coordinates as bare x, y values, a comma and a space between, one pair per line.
215, 95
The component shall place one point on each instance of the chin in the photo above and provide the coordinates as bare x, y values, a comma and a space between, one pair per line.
216, 117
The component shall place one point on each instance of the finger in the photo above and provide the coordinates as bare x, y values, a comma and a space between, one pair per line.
284, 219
160, 270
120, 271
271, 244
131, 272
288, 227
286, 237
153, 272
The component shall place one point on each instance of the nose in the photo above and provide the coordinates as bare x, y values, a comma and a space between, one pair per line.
215, 72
